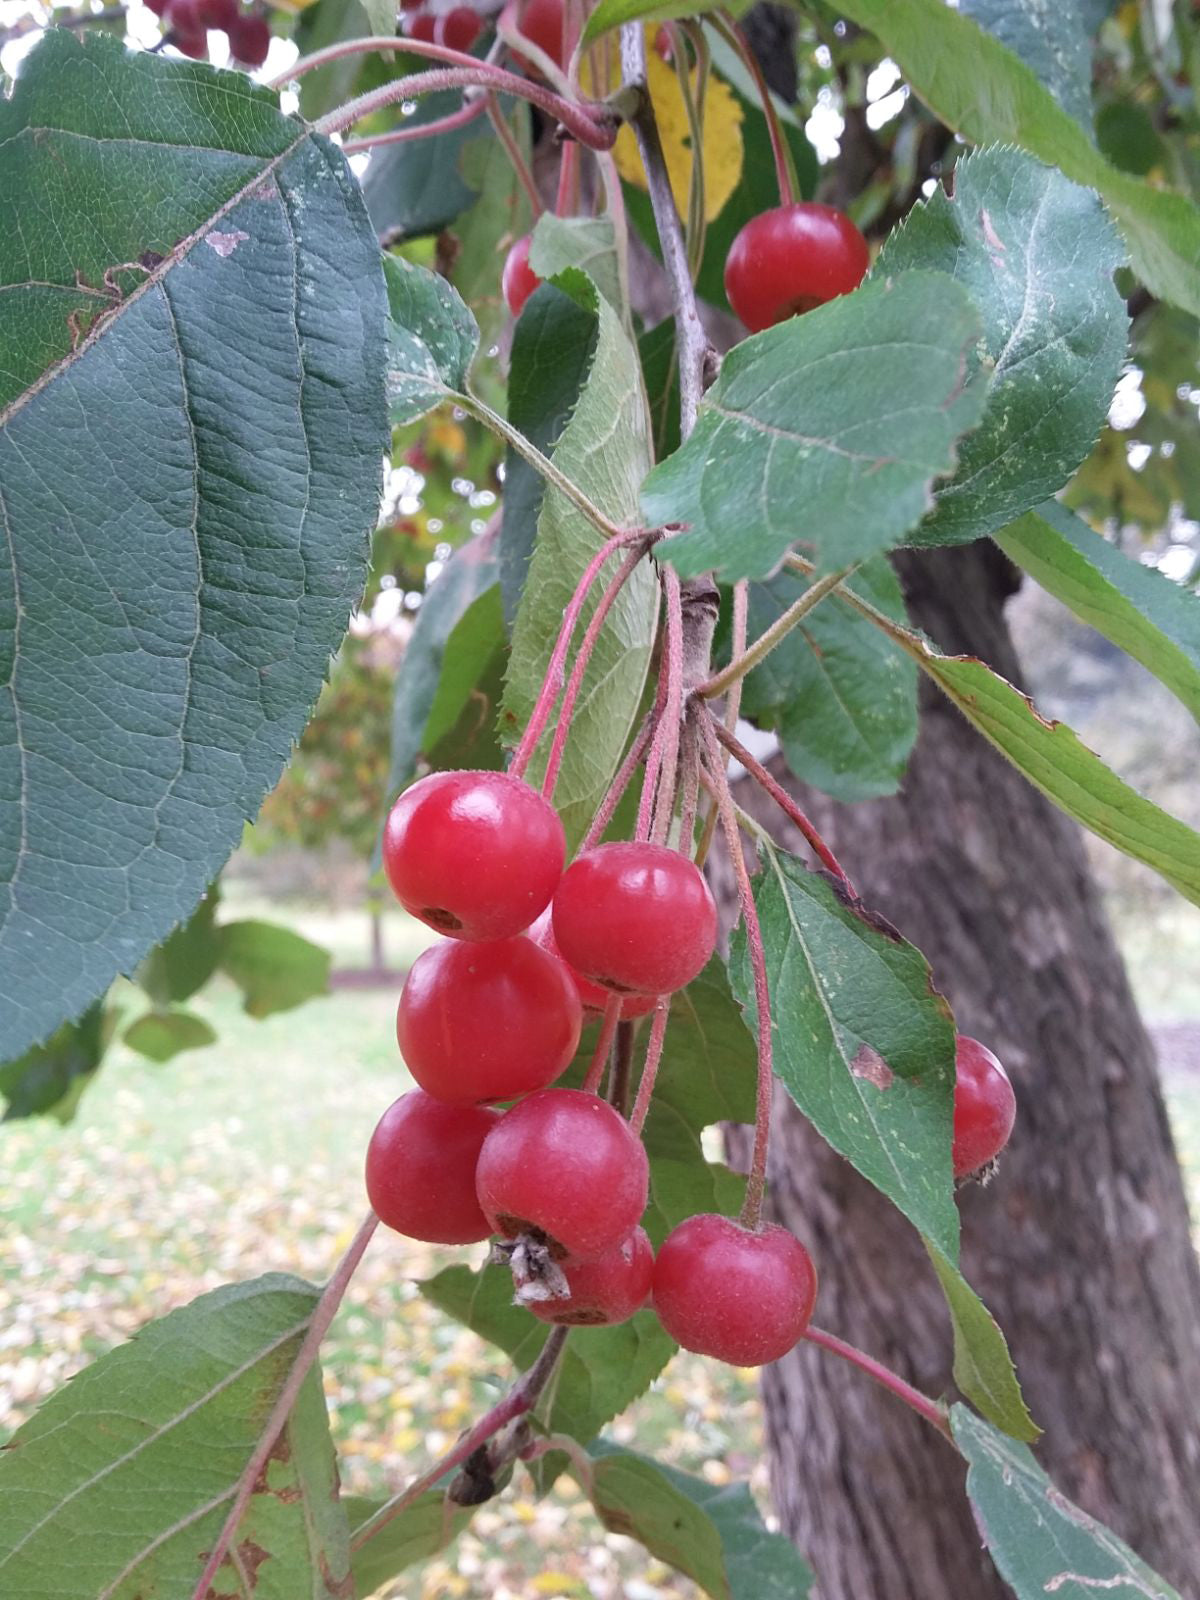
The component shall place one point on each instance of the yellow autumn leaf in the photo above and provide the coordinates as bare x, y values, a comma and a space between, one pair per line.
722, 136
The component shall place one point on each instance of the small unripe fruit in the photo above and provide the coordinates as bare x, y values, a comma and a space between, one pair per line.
475, 855
563, 1166
481, 1022
421, 1169
984, 1106
723, 1291
518, 280
610, 1289
791, 259
635, 918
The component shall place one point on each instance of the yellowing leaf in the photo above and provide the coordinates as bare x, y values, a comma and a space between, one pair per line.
722, 137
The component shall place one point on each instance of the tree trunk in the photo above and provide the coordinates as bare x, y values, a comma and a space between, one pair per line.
1081, 1244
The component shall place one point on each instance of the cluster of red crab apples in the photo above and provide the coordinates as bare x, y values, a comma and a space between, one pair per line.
492, 1015
189, 22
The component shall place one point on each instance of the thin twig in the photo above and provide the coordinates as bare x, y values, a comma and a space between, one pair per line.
744, 661
323, 1314
519, 1400
673, 714
891, 1381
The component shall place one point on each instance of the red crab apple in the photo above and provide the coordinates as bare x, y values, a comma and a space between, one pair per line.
984, 1106
792, 259
421, 1169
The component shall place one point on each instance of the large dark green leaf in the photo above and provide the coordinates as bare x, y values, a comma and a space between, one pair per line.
1036, 254
1041, 1543
1052, 40
828, 429
841, 696
603, 1369
864, 1044
554, 345
715, 1536
605, 450
190, 457
120, 1482
987, 94
1151, 618
49, 1078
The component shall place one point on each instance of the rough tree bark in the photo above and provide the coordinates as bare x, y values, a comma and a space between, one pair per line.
1081, 1245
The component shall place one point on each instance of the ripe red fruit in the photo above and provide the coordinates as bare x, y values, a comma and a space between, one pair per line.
421, 1169
249, 40
458, 29
186, 17
593, 997
607, 1290
518, 280
541, 21
565, 1166
422, 26
984, 1106
636, 918
473, 854
159, 7
189, 44
487, 1021
792, 259
219, 14
723, 1291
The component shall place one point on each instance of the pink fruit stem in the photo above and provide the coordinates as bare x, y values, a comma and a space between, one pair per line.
654, 767
891, 1381
552, 682
575, 682
518, 1402
567, 198
785, 171
619, 784
323, 1314
654, 1050
420, 130
756, 1182
604, 1039
673, 716
515, 155
783, 800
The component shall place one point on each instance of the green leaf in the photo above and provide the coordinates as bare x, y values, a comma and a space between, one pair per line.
605, 450
1036, 253
187, 957
982, 91
612, 13
469, 573
121, 1481
485, 232
864, 1044
829, 428
715, 1536
1053, 41
1126, 134
461, 731
841, 696
423, 1529
603, 1369
275, 968
50, 1078
1041, 1543
317, 27
1149, 617
553, 349
660, 370
417, 187
192, 482
159, 1035
588, 243
433, 339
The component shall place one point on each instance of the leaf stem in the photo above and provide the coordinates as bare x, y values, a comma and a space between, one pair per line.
746, 660
518, 1402
785, 167
323, 1314
419, 130
891, 1381
784, 801
756, 1182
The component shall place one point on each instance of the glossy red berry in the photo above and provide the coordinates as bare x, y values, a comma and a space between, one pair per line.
220, 14
422, 26
607, 1290
563, 1166
635, 918
479, 1022
984, 1106
541, 21
249, 40
458, 29
159, 7
518, 280
592, 996
189, 44
792, 259
421, 1169
724, 1291
186, 17
473, 854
